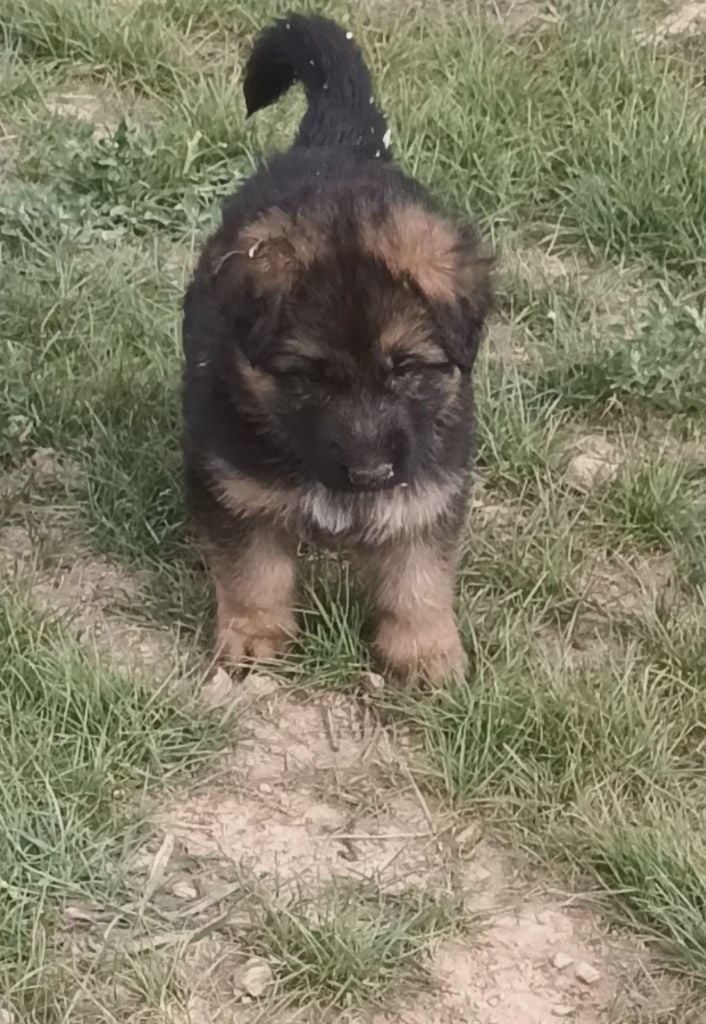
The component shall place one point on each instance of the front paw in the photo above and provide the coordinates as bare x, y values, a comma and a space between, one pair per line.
258, 637
429, 652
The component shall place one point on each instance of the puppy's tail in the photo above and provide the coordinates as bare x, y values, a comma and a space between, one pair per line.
323, 57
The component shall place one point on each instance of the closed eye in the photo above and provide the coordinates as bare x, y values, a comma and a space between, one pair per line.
411, 365
297, 369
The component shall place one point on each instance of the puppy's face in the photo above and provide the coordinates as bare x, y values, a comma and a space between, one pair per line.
355, 352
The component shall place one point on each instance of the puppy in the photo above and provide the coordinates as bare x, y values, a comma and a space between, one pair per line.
330, 332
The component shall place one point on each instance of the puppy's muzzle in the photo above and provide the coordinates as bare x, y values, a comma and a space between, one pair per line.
371, 478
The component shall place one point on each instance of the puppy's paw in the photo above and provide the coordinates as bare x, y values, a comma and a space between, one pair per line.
429, 653
256, 638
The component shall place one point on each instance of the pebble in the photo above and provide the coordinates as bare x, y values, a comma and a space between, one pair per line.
254, 977
561, 961
185, 890
469, 836
219, 691
373, 682
586, 973
597, 463
562, 1011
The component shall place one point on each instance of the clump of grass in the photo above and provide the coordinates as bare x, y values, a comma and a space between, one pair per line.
659, 362
351, 946
138, 46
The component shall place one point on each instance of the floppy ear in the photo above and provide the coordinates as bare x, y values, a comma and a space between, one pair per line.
446, 264
264, 256
463, 319
253, 271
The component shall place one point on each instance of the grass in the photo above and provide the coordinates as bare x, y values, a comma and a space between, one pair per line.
81, 748
579, 734
351, 946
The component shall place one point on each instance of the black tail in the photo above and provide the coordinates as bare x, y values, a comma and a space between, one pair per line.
319, 54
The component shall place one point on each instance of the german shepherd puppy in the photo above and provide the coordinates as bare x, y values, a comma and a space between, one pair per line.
330, 332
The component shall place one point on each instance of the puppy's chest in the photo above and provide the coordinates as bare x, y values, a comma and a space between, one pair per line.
335, 519
315, 513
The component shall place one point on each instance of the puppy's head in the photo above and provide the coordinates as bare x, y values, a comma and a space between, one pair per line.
354, 335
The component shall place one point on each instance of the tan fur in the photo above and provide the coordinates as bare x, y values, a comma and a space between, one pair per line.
271, 250
406, 334
247, 498
417, 633
255, 595
420, 245
372, 519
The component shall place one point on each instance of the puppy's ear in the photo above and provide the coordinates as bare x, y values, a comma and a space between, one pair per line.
445, 263
463, 319
254, 270
265, 256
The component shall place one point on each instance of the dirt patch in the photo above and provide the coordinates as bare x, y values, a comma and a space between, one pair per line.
309, 798
84, 592
686, 19
516, 15
595, 461
630, 587
537, 267
526, 968
317, 791
101, 110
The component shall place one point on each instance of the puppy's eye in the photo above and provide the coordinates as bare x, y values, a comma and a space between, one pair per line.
297, 369
412, 366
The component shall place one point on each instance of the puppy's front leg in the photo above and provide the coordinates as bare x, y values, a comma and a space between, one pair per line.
417, 635
255, 579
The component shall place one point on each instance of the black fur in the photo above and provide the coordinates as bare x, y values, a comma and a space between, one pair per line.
316, 52
286, 384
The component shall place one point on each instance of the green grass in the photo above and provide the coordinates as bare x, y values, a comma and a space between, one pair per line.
82, 748
350, 946
579, 731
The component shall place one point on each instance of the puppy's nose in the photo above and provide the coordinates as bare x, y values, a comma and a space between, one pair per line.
369, 478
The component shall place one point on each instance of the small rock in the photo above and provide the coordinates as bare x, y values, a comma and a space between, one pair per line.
255, 687
596, 463
373, 682
185, 890
219, 691
563, 1011
561, 961
586, 973
496, 515
469, 836
254, 977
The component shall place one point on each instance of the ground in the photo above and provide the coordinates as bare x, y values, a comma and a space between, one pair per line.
309, 844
